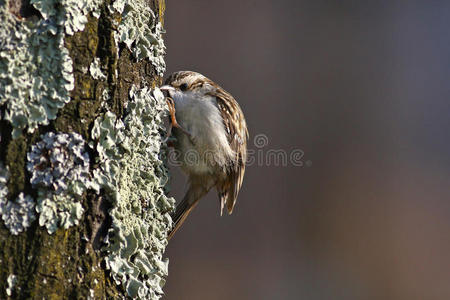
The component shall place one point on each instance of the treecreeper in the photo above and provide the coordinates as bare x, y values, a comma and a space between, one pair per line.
210, 140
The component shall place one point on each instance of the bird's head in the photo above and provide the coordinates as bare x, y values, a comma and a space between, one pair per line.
188, 83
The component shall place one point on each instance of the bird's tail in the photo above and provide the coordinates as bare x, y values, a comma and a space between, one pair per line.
185, 207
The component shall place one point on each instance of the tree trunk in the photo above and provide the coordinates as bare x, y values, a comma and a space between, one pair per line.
82, 167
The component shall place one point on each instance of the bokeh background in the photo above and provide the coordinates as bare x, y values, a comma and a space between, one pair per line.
362, 89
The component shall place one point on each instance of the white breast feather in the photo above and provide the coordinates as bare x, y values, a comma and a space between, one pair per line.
203, 120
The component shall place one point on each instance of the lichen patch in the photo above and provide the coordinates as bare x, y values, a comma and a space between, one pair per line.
141, 32
59, 168
18, 214
36, 73
132, 170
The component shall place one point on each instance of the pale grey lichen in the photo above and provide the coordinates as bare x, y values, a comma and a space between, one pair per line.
35, 67
4, 176
12, 280
91, 295
95, 70
133, 173
104, 97
17, 215
141, 32
59, 167
60, 163
57, 211
72, 14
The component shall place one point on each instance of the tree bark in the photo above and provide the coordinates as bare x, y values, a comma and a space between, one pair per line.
87, 252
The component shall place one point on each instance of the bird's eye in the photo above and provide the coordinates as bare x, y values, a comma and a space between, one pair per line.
183, 87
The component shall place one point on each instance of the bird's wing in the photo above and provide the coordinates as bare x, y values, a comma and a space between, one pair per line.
237, 134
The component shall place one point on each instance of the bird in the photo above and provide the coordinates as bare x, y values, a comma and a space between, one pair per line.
211, 136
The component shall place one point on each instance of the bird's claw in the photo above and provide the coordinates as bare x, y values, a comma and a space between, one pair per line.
173, 120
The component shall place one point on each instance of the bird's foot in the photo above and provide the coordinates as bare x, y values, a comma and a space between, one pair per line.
173, 120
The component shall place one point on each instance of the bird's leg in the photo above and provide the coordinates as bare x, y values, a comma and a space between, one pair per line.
171, 106
173, 119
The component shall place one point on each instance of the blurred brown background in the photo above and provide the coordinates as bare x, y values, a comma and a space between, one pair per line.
362, 88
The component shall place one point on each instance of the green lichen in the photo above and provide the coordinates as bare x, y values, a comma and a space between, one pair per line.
132, 170
58, 211
35, 67
141, 32
72, 14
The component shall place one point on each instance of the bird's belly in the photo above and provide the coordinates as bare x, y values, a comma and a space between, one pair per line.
205, 151
195, 154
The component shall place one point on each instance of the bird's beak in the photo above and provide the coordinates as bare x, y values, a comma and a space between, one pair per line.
167, 90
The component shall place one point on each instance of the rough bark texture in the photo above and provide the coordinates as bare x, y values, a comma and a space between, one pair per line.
68, 263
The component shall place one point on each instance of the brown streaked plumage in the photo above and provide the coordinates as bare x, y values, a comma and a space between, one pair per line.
211, 125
